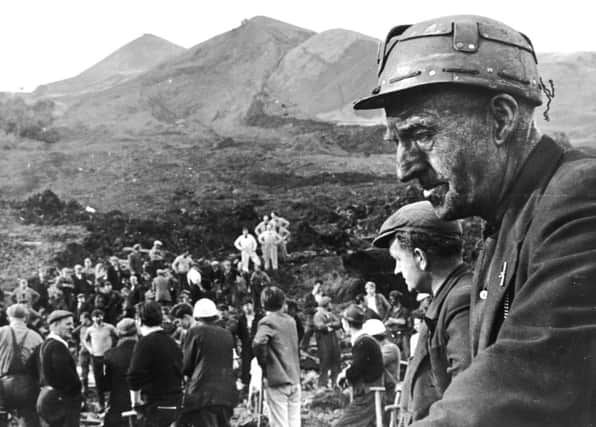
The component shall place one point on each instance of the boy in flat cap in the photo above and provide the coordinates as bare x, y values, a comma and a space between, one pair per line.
427, 252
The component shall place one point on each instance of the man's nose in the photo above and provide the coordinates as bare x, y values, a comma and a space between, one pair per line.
408, 161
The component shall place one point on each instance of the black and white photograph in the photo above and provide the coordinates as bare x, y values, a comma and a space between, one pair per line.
297, 214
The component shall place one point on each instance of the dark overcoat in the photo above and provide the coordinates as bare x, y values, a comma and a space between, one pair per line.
533, 316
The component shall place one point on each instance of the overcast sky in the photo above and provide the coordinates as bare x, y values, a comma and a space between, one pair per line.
47, 40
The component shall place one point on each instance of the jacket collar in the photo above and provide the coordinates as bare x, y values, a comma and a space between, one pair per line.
432, 313
535, 172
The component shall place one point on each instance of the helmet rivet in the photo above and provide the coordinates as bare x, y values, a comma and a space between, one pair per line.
459, 45
471, 46
432, 72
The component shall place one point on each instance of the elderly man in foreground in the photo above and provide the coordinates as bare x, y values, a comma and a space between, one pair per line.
459, 95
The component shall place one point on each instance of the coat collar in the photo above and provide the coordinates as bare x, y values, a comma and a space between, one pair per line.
432, 313
535, 172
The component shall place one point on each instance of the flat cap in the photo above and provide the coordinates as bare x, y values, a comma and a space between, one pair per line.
354, 314
324, 301
420, 217
126, 327
57, 315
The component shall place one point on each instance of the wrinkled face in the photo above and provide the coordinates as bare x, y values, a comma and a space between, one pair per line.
78, 269
442, 140
370, 289
88, 263
408, 265
63, 328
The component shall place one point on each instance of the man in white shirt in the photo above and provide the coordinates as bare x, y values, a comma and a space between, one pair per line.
247, 245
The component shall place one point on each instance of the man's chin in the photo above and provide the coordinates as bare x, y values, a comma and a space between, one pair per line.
444, 207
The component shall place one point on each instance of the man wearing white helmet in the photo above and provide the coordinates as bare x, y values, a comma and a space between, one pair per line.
210, 394
391, 356
428, 254
460, 94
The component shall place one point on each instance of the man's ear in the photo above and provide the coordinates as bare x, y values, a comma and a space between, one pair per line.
421, 259
505, 112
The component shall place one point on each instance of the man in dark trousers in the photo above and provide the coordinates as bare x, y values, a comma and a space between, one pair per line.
155, 372
365, 371
460, 95
428, 254
117, 361
210, 394
326, 324
59, 402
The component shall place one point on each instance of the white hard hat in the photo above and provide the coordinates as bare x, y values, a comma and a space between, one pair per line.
373, 327
205, 308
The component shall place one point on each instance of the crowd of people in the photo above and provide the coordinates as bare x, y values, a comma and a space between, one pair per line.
104, 314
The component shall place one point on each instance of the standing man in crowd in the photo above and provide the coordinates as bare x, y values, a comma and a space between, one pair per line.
116, 362
59, 402
247, 245
460, 103
98, 339
157, 257
269, 240
311, 302
135, 260
115, 273
181, 266
276, 348
326, 325
210, 394
259, 279
397, 320
155, 372
18, 380
428, 254
365, 371
23, 294
262, 226
161, 287
375, 301
81, 284
40, 284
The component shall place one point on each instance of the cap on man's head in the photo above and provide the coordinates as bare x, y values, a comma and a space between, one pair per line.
136, 246
354, 314
17, 311
97, 312
324, 301
395, 294
420, 217
127, 327
57, 315
157, 243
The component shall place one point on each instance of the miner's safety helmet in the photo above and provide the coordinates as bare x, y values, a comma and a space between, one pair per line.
462, 49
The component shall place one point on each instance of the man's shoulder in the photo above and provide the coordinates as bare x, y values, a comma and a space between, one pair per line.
459, 294
576, 172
